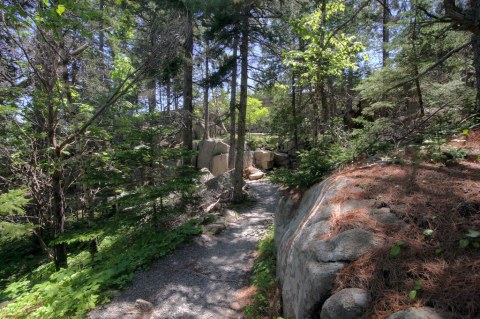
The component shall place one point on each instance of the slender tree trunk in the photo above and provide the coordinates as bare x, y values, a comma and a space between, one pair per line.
385, 32
58, 208
323, 97
187, 82
233, 103
347, 119
415, 66
169, 97
101, 36
242, 114
294, 112
152, 95
476, 63
206, 135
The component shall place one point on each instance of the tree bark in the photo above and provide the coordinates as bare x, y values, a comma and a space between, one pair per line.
294, 112
233, 103
415, 66
169, 97
476, 63
206, 135
187, 82
242, 110
152, 95
385, 32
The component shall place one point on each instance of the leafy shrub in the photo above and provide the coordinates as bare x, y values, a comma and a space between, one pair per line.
335, 148
314, 165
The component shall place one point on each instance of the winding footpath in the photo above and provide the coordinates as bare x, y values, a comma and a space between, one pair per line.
201, 279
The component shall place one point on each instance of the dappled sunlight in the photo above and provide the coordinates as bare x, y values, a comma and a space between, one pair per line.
203, 280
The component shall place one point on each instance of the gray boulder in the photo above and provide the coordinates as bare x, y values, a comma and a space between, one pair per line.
418, 313
219, 164
347, 246
346, 304
263, 159
208, 156
281, 159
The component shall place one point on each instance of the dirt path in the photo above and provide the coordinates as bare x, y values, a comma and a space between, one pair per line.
201, 279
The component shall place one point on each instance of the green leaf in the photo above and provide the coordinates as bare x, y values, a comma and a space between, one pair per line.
428, 232
463, 243
45, 2
60, 9
473, 233
412, 294
395, 250
465, 132
476, 245
401, 243
438, 251
418, 285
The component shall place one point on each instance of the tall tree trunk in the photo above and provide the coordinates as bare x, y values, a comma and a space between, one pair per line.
294, 112
415, 66
169, 96
324, 100
242, 110
347, 118
476, 63
206, 135
187, 82
385, 32
101, 36
152, 95
233, 103
60, 250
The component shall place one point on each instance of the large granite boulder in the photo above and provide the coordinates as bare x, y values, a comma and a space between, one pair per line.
219, 164
418, 313
263, 159
309, 255
208, 156
346, 304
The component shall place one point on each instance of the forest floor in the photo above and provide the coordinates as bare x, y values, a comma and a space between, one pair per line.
207, 278
438, 262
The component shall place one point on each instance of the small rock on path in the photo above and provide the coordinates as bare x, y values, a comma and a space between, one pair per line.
201, 279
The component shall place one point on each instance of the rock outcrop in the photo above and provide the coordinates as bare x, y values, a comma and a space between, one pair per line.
310, 252
346, 304
418, 313
213, 155
263, 159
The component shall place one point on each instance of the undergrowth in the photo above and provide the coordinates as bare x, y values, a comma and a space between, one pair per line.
90, 280
266, 302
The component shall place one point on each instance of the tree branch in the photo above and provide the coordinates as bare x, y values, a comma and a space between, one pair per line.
430, 68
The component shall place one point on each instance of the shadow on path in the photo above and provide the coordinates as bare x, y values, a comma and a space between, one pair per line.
201, 279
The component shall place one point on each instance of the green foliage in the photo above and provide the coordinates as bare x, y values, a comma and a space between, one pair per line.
314, 166
256, 112
397, 248
72, 292
12, 204
416, 289
328, 52
335, 148
266, 303
261, 141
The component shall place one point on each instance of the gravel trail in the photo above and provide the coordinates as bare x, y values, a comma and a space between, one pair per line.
201, 279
